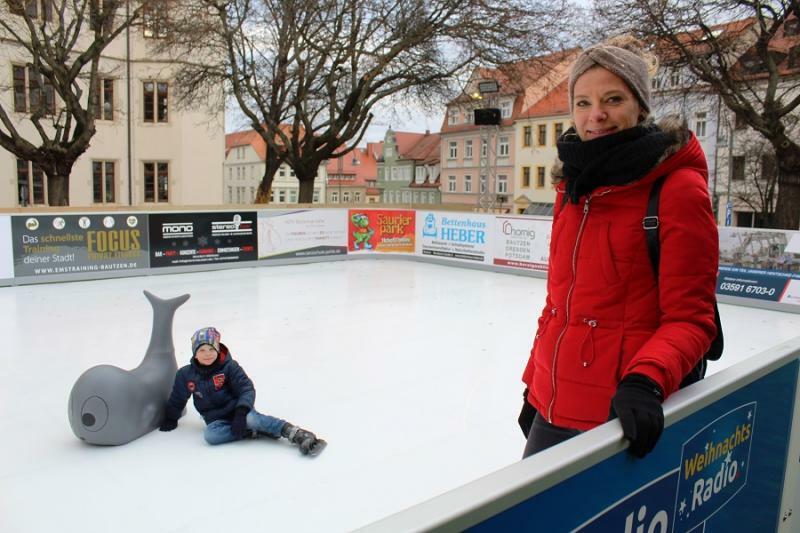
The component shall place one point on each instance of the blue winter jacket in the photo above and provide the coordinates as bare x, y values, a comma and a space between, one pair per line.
217, 389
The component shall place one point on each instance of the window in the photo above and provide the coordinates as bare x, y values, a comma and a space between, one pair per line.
35, 9
791, 27
483, 184
468, 149
334, 197
484, 148
346, 197
155, 101
744, 219
558, 128
316, 196
453, 149
794, 57
739, 122
281, 196
293, 196
357, 197
154, 19
271, 196
527, 136
502, 147
675, 78
103, 182
230, 194
502, 183
452, 116
104, 99
526, 177
505, 109
700, 124
451, 184
738, 168
39, 95
541, 136
467, 183
540, 172
31, 184
156, 181
252, 194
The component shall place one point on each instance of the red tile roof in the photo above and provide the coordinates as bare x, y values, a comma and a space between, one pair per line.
359, 163
556, 102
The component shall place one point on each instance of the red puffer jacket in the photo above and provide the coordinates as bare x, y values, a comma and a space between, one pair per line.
604, 316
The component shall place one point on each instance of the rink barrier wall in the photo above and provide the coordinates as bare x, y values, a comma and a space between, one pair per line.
749, 414
551, 485
758, 267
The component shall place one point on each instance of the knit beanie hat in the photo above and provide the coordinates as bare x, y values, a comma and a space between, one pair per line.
208, 336
624, 57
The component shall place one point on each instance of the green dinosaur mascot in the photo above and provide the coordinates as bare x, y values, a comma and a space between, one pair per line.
363, 233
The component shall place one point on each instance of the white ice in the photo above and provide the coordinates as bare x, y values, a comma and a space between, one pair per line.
410, 371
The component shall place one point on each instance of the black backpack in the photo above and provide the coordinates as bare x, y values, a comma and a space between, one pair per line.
650, 225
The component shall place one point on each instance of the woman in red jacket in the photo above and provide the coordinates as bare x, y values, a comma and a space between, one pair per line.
611, 337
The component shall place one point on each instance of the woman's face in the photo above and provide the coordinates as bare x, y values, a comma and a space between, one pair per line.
603, 104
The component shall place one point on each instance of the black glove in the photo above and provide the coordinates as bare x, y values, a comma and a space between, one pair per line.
637, 403
527, 415
168, 424
239, 422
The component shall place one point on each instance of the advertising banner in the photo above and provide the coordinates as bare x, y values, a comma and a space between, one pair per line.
380, 230
720, 469
65, 244
759, 263
6, 257
309, 233
522, 242
202, 238
456, 236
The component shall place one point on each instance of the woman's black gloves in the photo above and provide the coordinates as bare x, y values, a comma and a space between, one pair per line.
239, 422
526, 415
637, 404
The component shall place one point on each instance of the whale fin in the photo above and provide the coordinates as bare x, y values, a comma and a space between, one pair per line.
161, 345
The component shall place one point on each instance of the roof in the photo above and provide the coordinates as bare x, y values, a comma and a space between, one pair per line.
246, 138
528, 81
426, 149
555, 102
359, 162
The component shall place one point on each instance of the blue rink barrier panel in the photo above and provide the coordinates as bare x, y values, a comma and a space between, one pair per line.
722, 467
727, 462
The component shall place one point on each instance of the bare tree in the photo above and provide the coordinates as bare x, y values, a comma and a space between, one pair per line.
307, 73
741, 50
55, 47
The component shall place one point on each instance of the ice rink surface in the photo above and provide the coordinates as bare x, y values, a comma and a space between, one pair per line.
410, 371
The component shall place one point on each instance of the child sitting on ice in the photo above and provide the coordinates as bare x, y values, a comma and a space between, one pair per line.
224, 395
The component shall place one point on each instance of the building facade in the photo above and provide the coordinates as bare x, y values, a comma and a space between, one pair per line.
408, 172
146, 151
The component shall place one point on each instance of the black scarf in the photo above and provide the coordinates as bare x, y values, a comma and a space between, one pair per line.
610, 160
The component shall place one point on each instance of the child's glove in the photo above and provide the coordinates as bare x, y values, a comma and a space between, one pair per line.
637, 403
168, 424
239, 422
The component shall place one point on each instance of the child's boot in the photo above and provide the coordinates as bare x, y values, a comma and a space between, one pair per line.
308, 442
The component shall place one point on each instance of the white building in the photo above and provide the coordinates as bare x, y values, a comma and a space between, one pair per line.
244, 168
146, 151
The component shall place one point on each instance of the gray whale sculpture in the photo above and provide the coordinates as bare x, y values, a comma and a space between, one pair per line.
112, 406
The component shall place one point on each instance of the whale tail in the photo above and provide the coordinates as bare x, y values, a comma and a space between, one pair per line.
161, 344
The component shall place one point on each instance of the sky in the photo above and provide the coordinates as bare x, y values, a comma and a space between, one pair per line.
400, 118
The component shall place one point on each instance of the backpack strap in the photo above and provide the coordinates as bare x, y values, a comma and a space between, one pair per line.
650, 223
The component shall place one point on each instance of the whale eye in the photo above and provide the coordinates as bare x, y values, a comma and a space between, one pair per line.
94, 413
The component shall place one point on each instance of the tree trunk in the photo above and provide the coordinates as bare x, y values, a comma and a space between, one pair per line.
262, 195
787, 206
57, 189
306, 189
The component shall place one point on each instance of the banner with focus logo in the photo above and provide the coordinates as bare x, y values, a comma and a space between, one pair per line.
522, 242
202, 238
46, 245
455, 236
